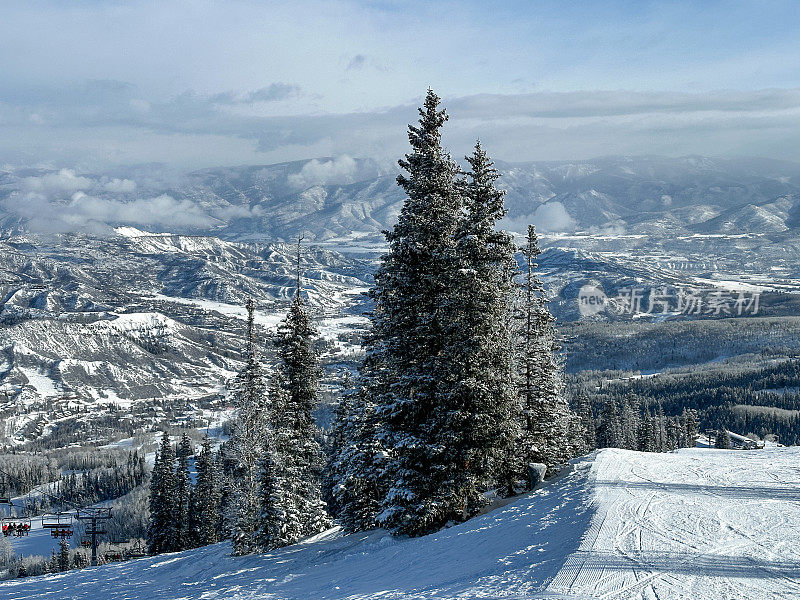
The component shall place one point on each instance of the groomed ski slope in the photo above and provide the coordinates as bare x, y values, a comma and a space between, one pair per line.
697, 524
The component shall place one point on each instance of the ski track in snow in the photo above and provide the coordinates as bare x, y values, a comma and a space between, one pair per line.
694, 524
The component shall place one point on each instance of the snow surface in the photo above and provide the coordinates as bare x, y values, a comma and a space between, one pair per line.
693, 524
44, 386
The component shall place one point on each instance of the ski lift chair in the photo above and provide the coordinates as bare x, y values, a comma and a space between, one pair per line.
16, 526
137, 550
60, 525
113, 555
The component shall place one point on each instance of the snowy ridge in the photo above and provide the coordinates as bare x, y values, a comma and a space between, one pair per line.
692, 524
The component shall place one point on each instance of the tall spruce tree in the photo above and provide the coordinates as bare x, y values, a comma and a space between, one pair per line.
162, 534
205, 497
182, 492
478, 406
586, 416
661, 429
722, 439
413, 298
246, 445
281, 458
647, 434
336, 443
546, 415
692, 426
274, 529
298, 450
64, 561
358, 485
609, 432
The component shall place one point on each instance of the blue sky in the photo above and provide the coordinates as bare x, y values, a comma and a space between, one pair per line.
95, 84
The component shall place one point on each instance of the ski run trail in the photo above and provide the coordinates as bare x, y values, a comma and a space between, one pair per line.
698, 524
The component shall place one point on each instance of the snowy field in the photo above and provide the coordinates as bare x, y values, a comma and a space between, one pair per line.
694, 524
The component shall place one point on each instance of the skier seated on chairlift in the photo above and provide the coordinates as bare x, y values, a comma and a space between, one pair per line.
21, 529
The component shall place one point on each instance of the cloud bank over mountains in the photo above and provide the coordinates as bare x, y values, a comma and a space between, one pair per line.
62, 201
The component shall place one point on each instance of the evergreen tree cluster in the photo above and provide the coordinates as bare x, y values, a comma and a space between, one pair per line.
86, 485
762, 401
183, 515
63, 559
274, 460
461, 387
624, 424
769, 417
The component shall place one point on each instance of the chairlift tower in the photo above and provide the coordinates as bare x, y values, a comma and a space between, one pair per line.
96, 516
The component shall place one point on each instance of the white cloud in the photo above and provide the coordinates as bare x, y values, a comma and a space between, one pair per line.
553, 217
338, 171
550, 217
46, 211
224, 213
96, 126
161, 210
64, 181
273, 93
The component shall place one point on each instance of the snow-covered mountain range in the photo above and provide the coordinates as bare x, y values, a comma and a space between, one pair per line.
343, 198
96, 308
105, 322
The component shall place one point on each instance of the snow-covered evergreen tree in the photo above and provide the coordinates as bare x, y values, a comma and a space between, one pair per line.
546, 415
296, 444
182, 493
647, 434
64, 561
80, 560
722, 439
413, 295
630, 423
336, 442
245, 448
609, 431
479, 405
274, 529
226, 467
587, 422
162, 533
205, 497
692, 426
661, 429
288, 471
357, 467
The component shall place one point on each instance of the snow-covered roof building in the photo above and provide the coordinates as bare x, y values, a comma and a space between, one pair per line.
739, 441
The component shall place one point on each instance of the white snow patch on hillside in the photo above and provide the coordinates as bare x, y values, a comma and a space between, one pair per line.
694, 524
132, 232
43, 385
269, 320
